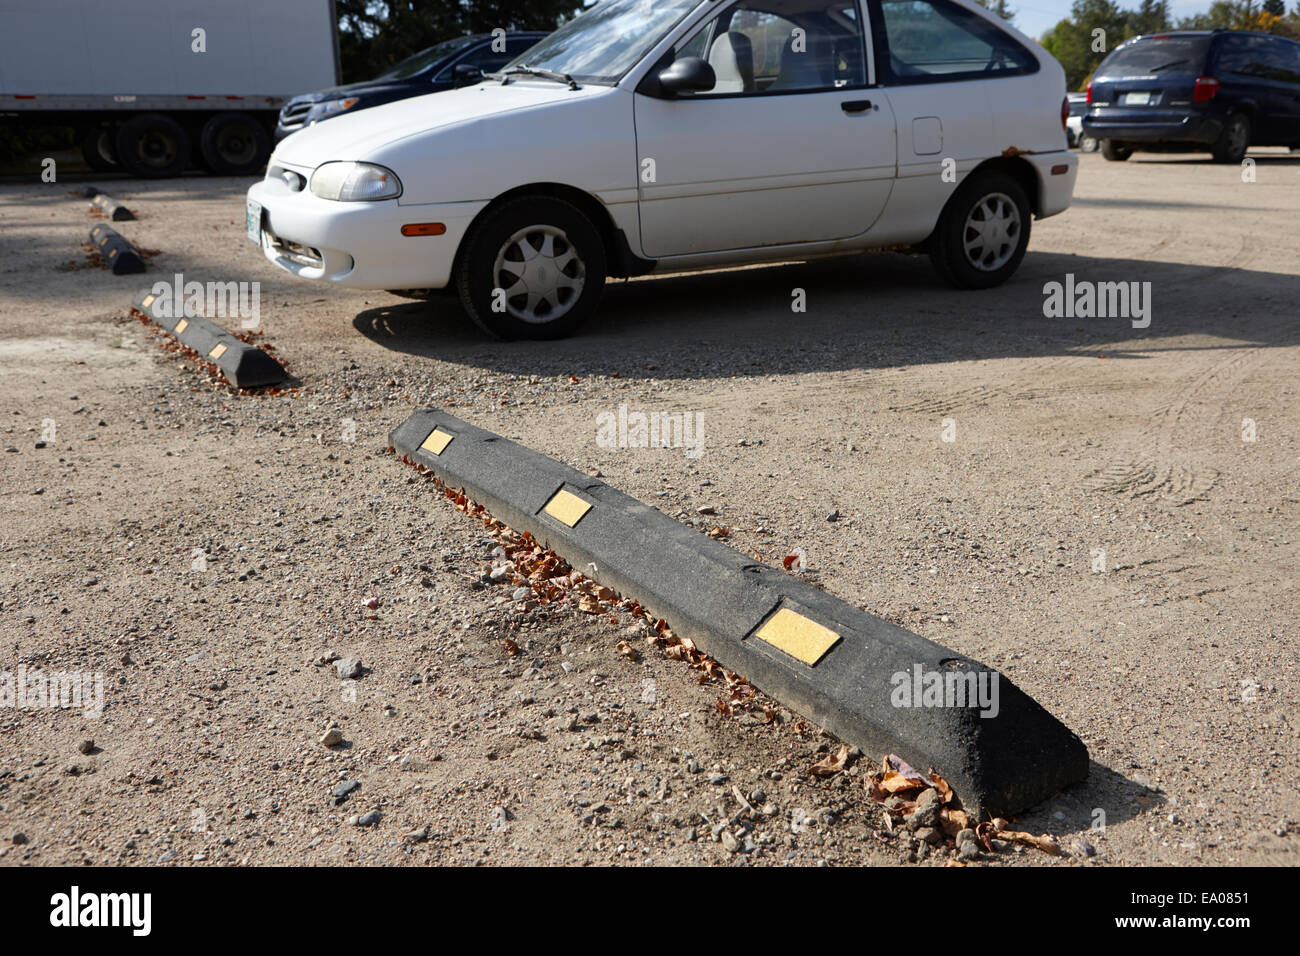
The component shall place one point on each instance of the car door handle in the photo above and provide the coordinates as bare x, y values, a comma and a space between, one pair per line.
856, 106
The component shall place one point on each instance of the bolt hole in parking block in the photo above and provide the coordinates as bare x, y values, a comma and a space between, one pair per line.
873, 684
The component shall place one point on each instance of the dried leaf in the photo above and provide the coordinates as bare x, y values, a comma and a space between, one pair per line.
627, 650
831, 764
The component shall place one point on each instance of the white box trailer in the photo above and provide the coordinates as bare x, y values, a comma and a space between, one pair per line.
151, 85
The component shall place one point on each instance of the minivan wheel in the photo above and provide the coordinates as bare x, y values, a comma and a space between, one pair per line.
532, 269
982, 233
1115, 152
1233, 142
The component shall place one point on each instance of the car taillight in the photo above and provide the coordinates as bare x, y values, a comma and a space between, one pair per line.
1089, 97
1065, 111
1206, 87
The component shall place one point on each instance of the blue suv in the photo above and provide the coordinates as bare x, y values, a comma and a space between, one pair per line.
450, 64
1221, 90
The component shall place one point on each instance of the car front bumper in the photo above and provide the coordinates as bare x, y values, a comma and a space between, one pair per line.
358, 244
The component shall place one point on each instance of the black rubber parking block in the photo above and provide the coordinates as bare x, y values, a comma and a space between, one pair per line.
243, 365
111, 208
873, 684
120, 255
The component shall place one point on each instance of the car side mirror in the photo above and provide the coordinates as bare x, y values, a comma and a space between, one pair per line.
466, 74
690, 74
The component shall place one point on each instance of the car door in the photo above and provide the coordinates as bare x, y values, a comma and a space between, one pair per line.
941, 65
791, 145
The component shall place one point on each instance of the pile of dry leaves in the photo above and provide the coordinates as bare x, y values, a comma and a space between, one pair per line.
521, 560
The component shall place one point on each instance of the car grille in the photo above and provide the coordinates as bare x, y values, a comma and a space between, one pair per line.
293, 114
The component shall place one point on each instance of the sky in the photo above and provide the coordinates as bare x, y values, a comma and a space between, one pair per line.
1036, 17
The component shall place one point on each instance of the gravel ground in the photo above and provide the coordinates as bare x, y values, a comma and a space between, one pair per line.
481, 733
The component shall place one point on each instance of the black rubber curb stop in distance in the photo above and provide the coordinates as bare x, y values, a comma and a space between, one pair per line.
113, 209
243, 365
122, 257
823, 658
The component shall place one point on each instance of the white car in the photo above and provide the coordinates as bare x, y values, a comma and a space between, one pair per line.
672, 135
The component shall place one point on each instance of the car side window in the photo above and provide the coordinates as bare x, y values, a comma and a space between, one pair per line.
772, 47
1284, 60
934, 41
1243, 56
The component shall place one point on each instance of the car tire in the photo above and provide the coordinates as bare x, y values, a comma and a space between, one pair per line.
963, 252
98, 149
1088, 144
153, 146
1233, 140
234, 144
493, 276
1115, 152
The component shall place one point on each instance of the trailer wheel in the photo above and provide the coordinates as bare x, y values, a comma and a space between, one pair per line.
153, 146
98, 149
234, 143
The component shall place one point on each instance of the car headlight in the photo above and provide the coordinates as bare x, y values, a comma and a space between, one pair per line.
355, 182
327, 109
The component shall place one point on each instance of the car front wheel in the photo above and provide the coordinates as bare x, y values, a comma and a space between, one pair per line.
534, 268
983, 232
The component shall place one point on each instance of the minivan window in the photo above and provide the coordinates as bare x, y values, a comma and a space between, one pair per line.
606, 41
932, 41
1151, 55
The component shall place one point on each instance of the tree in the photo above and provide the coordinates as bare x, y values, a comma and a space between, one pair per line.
376, 34
1080, 43
1001, 7
1151, 17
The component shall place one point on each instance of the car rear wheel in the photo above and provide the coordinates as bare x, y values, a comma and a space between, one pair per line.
1088, 144
1115, 152
153, 146
1233, 141
982, 233
532, 269
233, 144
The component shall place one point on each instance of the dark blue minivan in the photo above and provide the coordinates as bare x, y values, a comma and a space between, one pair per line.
446, 66
1216, 90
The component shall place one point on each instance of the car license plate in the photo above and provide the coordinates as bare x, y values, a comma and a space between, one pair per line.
1137, 99
253, 221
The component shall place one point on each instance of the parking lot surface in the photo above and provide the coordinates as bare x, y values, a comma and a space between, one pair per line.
1106, 514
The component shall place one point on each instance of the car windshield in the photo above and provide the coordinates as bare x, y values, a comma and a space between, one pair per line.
606, 41
1157, 55
419, 62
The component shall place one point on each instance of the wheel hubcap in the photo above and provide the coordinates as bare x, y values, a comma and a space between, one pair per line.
235, 146
992, 232
1237, 137
158, 149
540, 273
